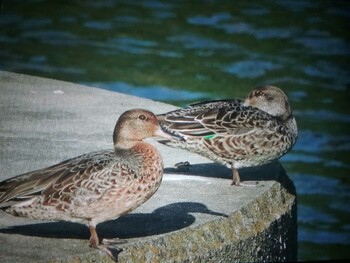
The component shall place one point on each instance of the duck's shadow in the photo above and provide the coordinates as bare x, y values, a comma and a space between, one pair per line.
267, 172
162, 220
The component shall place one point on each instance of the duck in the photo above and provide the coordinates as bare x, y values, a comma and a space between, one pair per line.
93, 187
237, 133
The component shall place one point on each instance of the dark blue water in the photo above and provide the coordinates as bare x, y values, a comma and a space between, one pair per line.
185, 51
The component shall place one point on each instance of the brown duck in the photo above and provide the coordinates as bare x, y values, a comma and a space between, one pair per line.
237, 133
94, 187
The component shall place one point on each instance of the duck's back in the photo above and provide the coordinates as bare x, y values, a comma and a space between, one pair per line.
229, 132
100, 185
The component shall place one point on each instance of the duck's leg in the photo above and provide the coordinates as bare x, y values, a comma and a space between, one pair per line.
235, 177
236, 180
94, 240
95, 243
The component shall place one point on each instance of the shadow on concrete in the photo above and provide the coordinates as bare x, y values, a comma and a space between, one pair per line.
162, 220
266, 172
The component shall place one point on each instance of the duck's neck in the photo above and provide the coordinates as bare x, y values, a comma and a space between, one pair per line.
121, 142
285, 117
122, 139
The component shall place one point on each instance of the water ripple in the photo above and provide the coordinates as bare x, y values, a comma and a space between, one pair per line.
257, 11
310, 184
324, 46
323, 237
322, 115
150, 92
191, 41
250, 68
98, 25
326, 70
52, 37
310, 215
211, 20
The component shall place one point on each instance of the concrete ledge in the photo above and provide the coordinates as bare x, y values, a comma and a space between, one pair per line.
196, 216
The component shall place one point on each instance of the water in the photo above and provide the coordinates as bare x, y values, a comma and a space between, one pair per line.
185, 51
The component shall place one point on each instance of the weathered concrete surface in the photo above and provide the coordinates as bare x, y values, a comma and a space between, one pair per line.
196, 216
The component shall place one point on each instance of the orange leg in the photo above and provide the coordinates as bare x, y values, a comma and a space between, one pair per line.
95, 243
235, 177
94, 240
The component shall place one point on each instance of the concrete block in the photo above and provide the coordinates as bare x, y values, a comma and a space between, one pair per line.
196, 216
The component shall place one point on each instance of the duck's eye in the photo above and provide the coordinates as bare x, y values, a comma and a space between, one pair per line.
260, 93
264, 95
268, 97
142, 117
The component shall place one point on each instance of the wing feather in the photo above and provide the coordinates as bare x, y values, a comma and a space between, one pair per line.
48, 180
223, 117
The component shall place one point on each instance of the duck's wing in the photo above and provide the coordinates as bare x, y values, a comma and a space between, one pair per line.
87, 184
54, 178
207, 119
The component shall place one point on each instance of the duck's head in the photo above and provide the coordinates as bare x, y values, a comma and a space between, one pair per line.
271, 100
135, 125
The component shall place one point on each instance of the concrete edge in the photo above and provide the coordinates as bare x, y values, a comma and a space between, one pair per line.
264, 230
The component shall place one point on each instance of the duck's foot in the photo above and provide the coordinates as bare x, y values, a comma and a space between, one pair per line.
107, 245
183, 166
113, 241
112, 251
